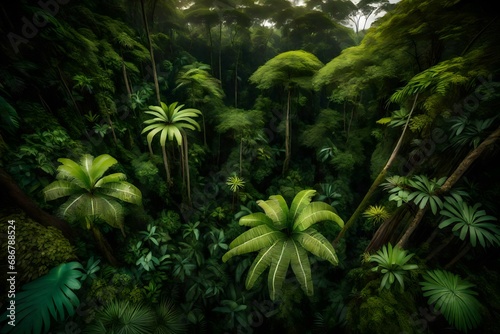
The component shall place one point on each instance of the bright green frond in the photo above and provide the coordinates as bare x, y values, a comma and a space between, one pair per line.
111, 178
300, 201
253, 240
314, 213
317, 244
261, 262
255, 219
100, 165
273, 210
278, 269
124, 191
453, 297
299, 261
62, 188
71, 171
71, 209
50, 297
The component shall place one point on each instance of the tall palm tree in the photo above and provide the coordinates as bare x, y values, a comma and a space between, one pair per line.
93, 196
290, 69
283, 236
171, 121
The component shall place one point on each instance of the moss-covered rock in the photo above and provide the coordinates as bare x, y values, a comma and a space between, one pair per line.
38, 248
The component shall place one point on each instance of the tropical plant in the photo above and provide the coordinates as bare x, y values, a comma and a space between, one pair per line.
288, 69
392, 263
48, 297
469, 222
468, 132
93, 196
171, 121
453, 297
235, 183
425, 192
168, 319
235, 307
283, 236
376, 214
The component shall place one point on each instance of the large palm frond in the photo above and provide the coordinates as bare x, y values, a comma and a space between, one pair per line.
283, 236
453, 297
48, 297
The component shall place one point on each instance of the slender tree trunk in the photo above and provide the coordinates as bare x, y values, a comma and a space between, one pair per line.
125, 79
11, 190
241, 155
287, 134
188, 181
450, 181
413, 225
104, 246
165, 163
69, 93
385, 232
377, 182
151, 53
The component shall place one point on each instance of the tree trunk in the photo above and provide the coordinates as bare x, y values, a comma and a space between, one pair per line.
385, 233
457, 174
104, 246
24, 202
165, 163
378, 180
151, 53
287, 134
186, 158
413, 225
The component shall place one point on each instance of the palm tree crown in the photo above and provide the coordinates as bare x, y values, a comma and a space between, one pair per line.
170, 120
283, 235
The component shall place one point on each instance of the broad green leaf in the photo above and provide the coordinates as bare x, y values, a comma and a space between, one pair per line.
317, 244
278, 269
255, 219
253, 240
274, 211
299, 261
316, 212
300, 201
261, 262
61, 188
50, 297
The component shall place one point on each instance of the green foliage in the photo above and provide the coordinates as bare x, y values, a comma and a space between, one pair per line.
34, 160
468, 132
376, 214
283, 235
285, 68
9, 118
48, 297
392, 263
123, 317
453, 297
110, 286
39, 248
419, 189
425, 192
170, 121
90, 193
235, 183
469, 222
380, 311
